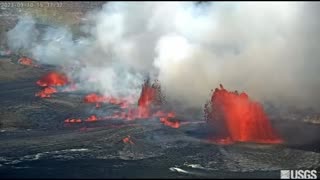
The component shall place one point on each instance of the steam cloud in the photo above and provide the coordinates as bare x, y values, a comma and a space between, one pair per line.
268, 49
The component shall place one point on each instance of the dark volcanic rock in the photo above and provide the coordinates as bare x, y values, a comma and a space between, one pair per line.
35, 142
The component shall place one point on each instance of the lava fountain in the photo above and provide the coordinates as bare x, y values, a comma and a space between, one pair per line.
53, 79
236, 118
150, 95
48, 81
148, 106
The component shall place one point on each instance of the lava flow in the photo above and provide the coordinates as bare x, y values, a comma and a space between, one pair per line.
71, 120
92, 118
53, 79
26, 61
94, 98
46, 92
98, 99
127, 140
236, 118
170, 123
48, 81
150, 97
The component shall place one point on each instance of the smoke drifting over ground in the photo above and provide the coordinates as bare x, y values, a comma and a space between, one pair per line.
268, 49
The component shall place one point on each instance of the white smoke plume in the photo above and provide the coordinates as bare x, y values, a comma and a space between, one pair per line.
268, 49
18, 40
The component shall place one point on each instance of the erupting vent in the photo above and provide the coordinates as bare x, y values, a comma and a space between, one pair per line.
149, 105
236, 118
149, 97
50, 80
53, 79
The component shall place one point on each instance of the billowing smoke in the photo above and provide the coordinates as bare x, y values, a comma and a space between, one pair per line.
268, 49
23, 35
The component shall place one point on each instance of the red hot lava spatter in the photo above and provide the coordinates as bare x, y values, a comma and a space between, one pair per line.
147, 98
49, 82
150, 96
236, 118
53, 79
46, 92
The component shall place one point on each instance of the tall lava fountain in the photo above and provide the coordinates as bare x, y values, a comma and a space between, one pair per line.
236, 118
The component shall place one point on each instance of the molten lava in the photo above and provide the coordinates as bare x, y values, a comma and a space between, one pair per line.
92, 118
127, 140
147, 96
98, 99
26, 61
48, 81
53, 79
150, 97
170, 123
93, 98
46, 92
71, 120
238, 119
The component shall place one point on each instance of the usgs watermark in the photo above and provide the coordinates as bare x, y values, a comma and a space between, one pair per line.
298, 174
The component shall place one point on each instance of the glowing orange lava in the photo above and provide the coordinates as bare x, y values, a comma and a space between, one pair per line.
93, 98
170, 123
150, 97
92, 118
127, 140
53, 79
147, 97
238, 119
98, 99
26, 61
46, 92
71, 120
48, 81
